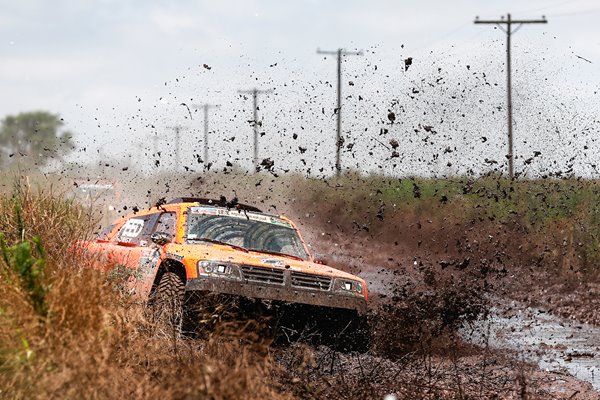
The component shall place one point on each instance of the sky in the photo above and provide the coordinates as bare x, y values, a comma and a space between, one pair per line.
123, 73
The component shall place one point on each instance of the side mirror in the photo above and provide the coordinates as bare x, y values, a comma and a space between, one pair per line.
160, 238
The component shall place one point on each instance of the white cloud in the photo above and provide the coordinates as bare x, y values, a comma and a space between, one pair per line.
9, 21
171, 23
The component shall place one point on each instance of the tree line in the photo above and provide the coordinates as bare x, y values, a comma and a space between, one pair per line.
34, 139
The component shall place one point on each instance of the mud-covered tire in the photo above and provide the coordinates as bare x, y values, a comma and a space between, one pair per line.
167, 302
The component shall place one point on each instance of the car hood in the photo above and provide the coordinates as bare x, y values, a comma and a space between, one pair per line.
216, 252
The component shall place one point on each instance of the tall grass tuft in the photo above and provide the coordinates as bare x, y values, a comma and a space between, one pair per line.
28, 260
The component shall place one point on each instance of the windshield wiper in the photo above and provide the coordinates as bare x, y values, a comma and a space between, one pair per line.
209, 240
276, 253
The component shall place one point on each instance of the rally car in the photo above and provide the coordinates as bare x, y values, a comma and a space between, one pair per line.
201, 246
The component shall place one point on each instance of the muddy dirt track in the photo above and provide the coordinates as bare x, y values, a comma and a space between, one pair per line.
456, 310
511, 348
512, 351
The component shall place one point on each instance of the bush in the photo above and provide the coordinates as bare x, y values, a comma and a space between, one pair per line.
27, 260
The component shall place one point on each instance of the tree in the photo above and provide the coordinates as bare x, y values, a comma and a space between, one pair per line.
33, 138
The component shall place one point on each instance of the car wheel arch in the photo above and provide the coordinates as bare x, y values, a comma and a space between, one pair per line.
168, 265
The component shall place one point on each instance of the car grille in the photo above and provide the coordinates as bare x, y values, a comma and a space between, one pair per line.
310, 281
262, 275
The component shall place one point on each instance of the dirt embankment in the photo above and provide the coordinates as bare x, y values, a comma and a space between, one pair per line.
534, 242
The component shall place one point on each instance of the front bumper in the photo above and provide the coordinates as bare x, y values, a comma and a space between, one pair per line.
324, 298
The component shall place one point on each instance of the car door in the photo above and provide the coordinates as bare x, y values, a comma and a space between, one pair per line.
132, 239
100, 252
148, 257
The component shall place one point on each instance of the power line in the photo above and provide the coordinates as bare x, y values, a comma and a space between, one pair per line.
255, 92
155, 143
509, 31
338, 137
205, 107
549, 6
579, 12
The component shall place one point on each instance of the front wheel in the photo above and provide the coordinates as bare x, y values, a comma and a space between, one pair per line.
167, 301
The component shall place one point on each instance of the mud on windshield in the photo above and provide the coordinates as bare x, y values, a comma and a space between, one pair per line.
255, 232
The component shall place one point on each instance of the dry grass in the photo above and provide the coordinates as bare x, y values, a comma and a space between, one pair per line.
92, 342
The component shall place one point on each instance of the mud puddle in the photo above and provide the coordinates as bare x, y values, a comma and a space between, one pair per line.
555, 344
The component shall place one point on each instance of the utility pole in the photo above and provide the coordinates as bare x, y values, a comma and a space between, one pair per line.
508, 22
177, 129
205, 107
155, 144
154, 138
338, 137
255, 92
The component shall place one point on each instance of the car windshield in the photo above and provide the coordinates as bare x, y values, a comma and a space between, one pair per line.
252, 231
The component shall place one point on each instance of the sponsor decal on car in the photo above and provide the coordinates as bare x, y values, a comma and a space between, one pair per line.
132, 228
273, 261
148, 262
174, 256
240, 214
204, 210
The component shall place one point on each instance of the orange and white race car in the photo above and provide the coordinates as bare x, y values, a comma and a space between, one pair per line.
202, 246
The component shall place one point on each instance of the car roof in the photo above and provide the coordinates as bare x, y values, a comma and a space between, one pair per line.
222, 202
186, 202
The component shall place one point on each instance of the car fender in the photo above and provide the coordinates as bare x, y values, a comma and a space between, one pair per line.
148, 262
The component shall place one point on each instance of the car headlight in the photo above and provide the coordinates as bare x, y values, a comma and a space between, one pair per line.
349, 286
216, 268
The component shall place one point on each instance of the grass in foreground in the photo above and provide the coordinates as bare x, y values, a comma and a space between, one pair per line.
66, 333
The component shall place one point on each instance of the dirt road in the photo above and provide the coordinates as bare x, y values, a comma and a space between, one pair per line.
565, 354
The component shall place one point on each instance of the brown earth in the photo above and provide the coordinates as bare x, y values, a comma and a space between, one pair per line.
461, 372
404, 256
